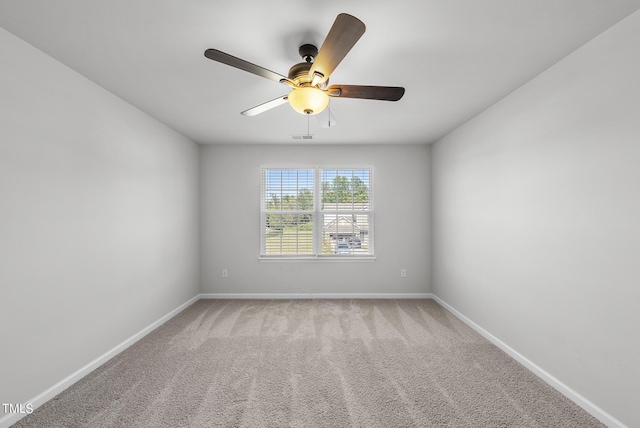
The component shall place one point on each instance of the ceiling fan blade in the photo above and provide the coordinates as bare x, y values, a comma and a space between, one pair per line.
384, 93
344, 34
326, 119
231, 60
266, 106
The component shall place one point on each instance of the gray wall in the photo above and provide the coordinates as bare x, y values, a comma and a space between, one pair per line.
536, 220
98, 226
230, 221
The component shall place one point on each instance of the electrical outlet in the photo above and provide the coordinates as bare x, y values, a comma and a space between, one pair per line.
225, 273
403, 273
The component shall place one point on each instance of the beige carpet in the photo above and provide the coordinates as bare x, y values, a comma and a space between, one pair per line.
311, 363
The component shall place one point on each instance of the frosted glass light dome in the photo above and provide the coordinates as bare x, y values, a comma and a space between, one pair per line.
308, 100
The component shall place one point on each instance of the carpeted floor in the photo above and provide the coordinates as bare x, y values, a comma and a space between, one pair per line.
311, 363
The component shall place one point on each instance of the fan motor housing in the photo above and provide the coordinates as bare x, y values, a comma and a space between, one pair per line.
299, 73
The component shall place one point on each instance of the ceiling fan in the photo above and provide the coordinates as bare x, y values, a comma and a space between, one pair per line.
309, 79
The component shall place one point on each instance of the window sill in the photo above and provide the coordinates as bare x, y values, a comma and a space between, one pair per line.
339, 259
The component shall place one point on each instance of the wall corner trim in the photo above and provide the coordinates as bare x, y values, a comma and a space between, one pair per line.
574, 396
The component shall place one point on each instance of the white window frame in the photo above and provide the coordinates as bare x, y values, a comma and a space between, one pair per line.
317, 214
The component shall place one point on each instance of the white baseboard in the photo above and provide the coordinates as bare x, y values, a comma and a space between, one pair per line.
11, 418
581, 401
65, 383
316, 296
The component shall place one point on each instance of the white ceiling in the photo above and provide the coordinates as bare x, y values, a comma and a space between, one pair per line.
454, 57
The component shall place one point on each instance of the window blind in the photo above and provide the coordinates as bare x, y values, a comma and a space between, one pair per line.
316, 212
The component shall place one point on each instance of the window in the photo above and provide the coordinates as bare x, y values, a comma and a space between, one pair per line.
316, 212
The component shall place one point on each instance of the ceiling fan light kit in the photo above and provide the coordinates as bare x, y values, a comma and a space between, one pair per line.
308, 79
308, 100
